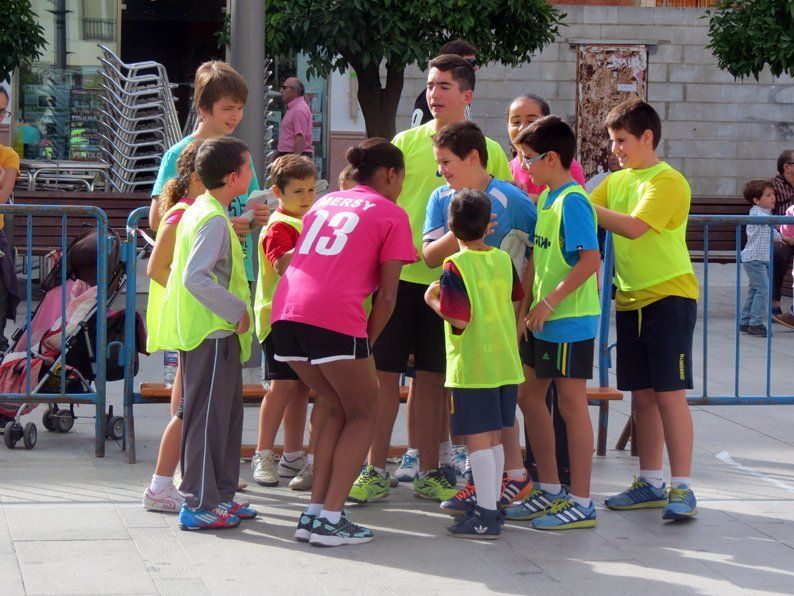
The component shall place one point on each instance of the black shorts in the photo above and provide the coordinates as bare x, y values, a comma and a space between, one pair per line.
275, 370
654, 345
474, 411
567, 360
414, 328
300, 342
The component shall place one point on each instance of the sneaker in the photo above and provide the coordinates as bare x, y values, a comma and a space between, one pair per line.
369, 486
640, 495
303, 479
290, 469
566, 515
241, 510
457, 459
785, 319
776, 310
169, 500
743, 328
536, 504
265, 468
206, 519
433, 485
462, 502
450, 472
408, 469
514, 490
304, 529
758, 330
481, 525
393, 482
682, 503
324, 533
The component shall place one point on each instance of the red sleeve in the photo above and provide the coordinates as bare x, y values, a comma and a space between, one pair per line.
455, 302
518, 288
279, 239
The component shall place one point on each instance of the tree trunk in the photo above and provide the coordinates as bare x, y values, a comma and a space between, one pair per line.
378, 104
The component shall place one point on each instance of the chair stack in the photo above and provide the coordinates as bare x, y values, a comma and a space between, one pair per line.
139, 121
270, 130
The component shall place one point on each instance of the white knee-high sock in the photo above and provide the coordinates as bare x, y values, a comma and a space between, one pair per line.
499, 460
483, 470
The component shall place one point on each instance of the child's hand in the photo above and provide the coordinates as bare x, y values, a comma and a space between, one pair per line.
243, 325
491, 227
241, 227
537, 316
521, 330
261, 215
433, 291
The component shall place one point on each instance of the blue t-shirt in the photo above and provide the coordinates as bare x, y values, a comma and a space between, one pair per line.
168, 170
516, 217
577, 232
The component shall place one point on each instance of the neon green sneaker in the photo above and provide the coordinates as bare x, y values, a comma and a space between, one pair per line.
433, 485
369, 486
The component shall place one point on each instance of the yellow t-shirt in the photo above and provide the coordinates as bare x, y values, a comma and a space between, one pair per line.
421, 180
665, 205
8, 159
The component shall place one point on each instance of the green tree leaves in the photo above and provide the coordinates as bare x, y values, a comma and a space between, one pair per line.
21, 37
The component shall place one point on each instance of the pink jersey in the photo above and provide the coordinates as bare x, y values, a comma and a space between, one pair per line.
788, 229
524, 180
336, 265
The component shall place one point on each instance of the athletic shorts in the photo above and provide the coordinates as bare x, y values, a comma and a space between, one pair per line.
474, 411
414, 328
567, 360
300, 342
654, 345
275, 370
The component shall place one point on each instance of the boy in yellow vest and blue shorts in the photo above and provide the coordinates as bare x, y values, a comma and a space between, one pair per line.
646, 207
563, 322
206, 316
477, 296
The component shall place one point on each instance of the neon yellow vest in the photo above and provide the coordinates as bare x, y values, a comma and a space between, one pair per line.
156, 293
551, 266
485, 355
268, 278
186, 322
654, 257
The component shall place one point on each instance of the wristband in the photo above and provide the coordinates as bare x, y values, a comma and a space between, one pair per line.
549, 306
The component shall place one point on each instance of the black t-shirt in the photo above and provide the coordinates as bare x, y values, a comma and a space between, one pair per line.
422, 113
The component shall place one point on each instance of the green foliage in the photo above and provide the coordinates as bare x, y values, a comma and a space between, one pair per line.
337, 34
747, 35
21, 37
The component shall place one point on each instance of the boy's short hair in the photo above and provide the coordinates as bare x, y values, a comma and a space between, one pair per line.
753, 189
469, 214
460, 47
215, 80
550, 133
785, 157
346, 174
462, 71
635, 116
219, 157
291, 167
462, 138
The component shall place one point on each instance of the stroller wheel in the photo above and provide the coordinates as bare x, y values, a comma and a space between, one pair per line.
30, 435
8, 435
116, 428
64, 421
47, 420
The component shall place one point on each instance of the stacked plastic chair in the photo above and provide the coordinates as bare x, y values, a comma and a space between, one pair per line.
139, 121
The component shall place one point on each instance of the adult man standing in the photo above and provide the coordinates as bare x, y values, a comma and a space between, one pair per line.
784, 198
295, 133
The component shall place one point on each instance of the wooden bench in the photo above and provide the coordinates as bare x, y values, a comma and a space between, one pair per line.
722, 238
253, 394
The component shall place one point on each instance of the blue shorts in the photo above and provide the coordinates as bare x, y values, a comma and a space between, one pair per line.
474, 411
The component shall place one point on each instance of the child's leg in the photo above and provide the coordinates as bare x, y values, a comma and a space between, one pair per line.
168, 457
176, 389
511, 442
538, 423
232, 375
295, 417
676, 419
271, 412
760, 308
315, 421
484, 467
388, 407
650, 432
573, 406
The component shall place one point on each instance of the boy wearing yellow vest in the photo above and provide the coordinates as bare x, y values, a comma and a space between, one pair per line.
206, 315
646, 206
563, 321
477, 296
294, 178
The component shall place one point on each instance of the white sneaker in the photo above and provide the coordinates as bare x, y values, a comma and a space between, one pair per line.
408, 469
303, 479
290, 469
265, 468
457, 458
169, 500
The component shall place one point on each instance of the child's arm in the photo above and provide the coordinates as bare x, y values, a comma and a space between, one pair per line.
625, 225
385, 299
279, 246
159, 267
529, 279
435, 251
433, 300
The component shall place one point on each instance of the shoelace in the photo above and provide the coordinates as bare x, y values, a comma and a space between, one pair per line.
560, 505
305, 470
222, 515
408, 461
679, 495
466, 492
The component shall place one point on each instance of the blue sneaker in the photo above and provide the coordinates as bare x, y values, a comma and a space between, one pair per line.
241, 510
640, 495
682, 503
304, 529
482, 524
536, 504
566, 515
462, 502
408, 469
324, 533
206, 519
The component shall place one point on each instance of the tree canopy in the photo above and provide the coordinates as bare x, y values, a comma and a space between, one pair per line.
21, 36
747, 35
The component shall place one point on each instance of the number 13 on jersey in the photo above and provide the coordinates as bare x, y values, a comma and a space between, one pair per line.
318, 237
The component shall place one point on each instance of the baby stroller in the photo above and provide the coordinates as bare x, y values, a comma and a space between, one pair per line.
62, 356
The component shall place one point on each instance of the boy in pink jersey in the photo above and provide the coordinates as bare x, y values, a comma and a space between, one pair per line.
352, 243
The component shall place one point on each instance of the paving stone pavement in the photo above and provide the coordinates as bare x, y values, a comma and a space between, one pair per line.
73, 524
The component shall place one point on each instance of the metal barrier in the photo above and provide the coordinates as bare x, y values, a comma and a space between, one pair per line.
704, 397
40, 391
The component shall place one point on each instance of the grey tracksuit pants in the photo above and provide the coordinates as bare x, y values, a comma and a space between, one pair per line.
213, 422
